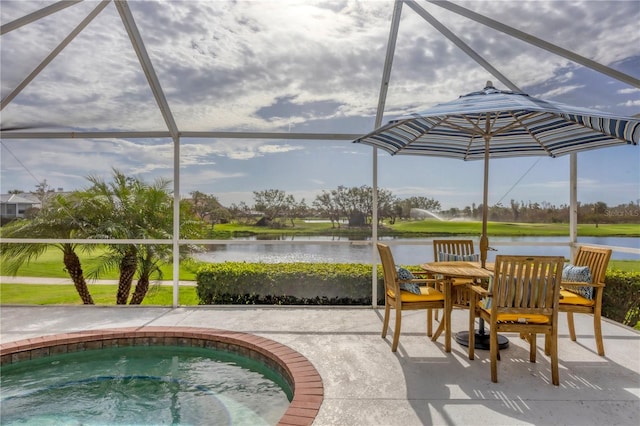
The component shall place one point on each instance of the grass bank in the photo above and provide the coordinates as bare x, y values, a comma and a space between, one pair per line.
49, 265
42, 294
427, 228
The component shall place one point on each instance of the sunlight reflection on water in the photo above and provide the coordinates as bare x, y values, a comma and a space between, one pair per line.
404, 254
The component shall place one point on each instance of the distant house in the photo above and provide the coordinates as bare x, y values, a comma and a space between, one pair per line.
14, 206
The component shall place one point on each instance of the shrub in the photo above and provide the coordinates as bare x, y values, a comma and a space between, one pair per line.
286, 283
350, 284
621, 297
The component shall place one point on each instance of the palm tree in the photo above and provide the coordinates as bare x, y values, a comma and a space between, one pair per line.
126, 208
157, 212
149, 261
136, 210
62, 218
117, 201
156, 219
133, 211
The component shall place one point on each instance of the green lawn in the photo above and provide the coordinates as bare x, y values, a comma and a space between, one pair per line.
515, 229
50, 265
36, 294
625, 265
435, 227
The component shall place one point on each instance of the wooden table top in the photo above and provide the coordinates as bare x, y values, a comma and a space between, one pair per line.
458, 269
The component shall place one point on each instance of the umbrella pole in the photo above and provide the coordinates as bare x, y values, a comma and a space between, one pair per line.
484, 240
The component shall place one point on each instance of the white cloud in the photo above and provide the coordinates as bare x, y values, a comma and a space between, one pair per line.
634, 103
234, 58
294, 66
559, 91
568, 76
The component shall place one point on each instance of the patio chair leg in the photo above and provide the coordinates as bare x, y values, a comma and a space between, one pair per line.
547, 345
555, 374
472, 324
385, 323
472, 334
597, 329
396, 333
532, 347
572, 330
439, 331
495, 353
429, 323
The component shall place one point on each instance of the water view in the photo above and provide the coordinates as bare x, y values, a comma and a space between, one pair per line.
406, 251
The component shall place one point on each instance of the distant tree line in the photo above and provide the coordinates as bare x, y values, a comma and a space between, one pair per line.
354, 207
530, 212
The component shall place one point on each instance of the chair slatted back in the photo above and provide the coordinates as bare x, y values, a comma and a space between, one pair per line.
596, 258
458, 247
526, 284
388, 269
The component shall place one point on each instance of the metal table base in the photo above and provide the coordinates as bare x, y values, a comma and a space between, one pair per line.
481, 340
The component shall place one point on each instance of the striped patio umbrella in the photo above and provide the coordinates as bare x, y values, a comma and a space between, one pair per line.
496, 123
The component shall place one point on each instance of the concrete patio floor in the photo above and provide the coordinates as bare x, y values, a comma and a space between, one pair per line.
366, 384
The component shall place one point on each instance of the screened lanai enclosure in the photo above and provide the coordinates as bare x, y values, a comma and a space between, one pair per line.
238, 98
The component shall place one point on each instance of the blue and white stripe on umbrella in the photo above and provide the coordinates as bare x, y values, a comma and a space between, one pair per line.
496, 123
515, 123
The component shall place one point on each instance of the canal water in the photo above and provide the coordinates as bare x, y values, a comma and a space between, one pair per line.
412, 252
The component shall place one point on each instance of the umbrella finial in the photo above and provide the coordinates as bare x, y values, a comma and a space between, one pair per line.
489, 84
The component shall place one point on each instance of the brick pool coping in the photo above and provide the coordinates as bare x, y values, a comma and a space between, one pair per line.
302, 376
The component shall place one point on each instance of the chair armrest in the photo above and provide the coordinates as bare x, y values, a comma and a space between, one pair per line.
479, 290
580, 284
421, 281
424, 282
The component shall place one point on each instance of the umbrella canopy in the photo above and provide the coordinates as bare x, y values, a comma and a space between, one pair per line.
494, 123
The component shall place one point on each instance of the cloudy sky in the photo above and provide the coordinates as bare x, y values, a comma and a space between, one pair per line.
305, 66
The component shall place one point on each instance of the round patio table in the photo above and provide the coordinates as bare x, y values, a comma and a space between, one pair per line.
468, 270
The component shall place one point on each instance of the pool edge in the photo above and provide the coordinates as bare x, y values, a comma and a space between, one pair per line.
306, 383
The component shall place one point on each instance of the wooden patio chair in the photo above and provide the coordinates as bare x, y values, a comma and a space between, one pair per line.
402, 300
456, 250
585, 297
522, 298
452, 250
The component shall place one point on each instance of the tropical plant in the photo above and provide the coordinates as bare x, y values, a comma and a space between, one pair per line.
136, 210
118, 202
149, 261
64, 217
124, 202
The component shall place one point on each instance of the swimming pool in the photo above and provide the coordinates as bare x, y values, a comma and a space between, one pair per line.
144, 386
172, 375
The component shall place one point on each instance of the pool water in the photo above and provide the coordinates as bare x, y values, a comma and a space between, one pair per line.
142, 385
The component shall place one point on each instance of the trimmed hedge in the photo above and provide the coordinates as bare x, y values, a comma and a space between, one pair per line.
286, 283
621, 297
244, 283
